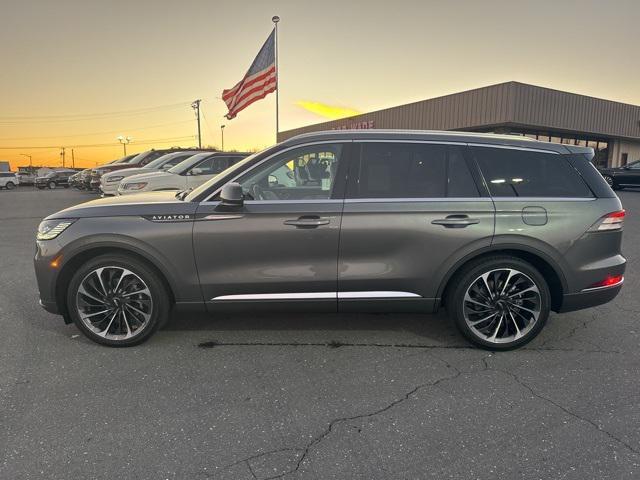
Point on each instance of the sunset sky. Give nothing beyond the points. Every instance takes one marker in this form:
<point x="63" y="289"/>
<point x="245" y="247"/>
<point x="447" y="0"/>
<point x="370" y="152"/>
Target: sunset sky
<point x="68" y="65"/>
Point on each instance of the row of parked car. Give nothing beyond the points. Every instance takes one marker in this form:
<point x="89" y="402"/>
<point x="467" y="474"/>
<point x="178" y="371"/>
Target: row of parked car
<point x="155" y="170"/>
<point x="50" y="180"/>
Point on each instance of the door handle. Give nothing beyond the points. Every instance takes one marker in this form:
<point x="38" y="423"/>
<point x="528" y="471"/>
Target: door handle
<point x="307" y="222"/>
<point x="456" y="221"/>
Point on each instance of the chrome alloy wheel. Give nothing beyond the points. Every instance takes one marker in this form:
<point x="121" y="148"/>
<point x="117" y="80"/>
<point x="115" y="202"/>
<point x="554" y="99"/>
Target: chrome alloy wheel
<point x="609" y="180"/>
<point x="502" y="305"/>
<point x="114" y="303"/>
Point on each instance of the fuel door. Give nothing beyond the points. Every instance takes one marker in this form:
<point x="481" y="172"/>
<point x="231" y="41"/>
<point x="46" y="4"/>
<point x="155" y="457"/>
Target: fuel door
<point x="534" y="216"/>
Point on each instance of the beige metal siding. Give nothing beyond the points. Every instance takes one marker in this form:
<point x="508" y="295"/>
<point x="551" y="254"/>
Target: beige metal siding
<point x="483" y="106"/>
<point x="508" y="104"/>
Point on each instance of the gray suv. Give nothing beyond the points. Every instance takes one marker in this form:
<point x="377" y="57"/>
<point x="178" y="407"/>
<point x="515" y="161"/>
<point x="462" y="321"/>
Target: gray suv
<point x="500" y="230"/>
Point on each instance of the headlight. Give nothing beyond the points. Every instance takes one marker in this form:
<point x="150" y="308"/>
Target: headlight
<point x="50" y="229"/>
<point x="115" y="179"/>
<point x="135" y="186"/>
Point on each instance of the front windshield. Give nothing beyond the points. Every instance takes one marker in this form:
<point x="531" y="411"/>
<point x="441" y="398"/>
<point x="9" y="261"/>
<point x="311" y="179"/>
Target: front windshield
<point x="185" y="165"/>
<point x="238" y="166"/>
<point x="158" y="162"/>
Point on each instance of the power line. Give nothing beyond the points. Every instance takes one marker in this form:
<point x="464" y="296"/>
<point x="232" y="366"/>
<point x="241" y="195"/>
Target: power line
<point x="98" y="133"/>
<point x="138" y="142"/>
<point x="21" y="120"/>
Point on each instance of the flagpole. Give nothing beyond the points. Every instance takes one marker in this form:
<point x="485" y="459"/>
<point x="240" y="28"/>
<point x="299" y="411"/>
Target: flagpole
<point x="275" y="19"/>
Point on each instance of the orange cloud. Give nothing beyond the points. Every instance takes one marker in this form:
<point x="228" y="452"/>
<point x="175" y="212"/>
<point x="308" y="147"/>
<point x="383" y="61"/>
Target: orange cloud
<point x="327" y="111"/>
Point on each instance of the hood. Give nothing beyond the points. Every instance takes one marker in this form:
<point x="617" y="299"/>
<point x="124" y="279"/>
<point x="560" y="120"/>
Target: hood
<point x="126" y="172"/>
<point x="143" y="177"/>
<point x="151" y="203"/>
<point x="611" y="170"/>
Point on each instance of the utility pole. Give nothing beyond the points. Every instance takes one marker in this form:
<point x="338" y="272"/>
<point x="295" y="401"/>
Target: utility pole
<point x="222" y="134"/>
<point x="30" y="162"/>
<point x="62" y="156"/>
<point x="196" y="106"/>
<point x="73" y="159"/>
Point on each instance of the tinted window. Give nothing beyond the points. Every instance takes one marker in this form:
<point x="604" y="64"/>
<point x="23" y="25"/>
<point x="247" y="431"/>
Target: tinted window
<point x="524" y="173"/>
<point x="412" y="170"/>
<point x="213" y="165"/>
<point x="152" y="156"/>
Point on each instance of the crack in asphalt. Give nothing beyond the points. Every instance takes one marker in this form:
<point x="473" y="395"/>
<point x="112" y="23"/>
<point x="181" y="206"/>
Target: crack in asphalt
<point x="580" y="325"/>
<point x="315" y="441"/>
<point x="325" y="433"/>
<point x="519" y="381"/>
<point x="251" y="470"/>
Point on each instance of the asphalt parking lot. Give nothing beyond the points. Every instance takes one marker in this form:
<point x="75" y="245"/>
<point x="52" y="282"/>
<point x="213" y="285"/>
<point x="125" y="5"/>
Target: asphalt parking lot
<point x="311" y="396"/>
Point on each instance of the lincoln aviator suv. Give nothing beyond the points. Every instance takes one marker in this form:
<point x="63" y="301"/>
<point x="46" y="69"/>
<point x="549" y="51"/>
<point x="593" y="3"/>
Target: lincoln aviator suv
<point x="498" y="230"/>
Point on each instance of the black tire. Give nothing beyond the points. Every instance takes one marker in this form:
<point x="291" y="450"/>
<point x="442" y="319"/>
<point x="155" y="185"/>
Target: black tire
<point x="52" y="185"/>
<point x="10" y="186"/>
<point x="160" y="298"/>
<point x="465" y="280"/>
<point x="611" y="182"/>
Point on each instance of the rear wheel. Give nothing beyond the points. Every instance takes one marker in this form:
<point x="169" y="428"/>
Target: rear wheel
<point x="499" y="303"/>
<point x="611" y="182"/>
<point x="10" y="185"/>
<point x="118" y="301"/>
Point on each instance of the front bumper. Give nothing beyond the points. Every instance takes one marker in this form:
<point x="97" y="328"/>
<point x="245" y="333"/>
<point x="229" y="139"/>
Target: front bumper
<point x="109" y="188"/>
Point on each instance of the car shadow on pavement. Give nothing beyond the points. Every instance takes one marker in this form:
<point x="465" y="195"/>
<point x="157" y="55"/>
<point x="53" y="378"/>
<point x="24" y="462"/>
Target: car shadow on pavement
<point x="294" y="328"/>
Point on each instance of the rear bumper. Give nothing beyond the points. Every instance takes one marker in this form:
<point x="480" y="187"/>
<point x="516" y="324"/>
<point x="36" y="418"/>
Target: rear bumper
<point x="589" y="298"/>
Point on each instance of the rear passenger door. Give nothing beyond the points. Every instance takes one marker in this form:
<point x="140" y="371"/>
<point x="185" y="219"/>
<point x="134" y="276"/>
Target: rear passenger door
<point x="411" y="211"/>
<point x="541" y="200"/>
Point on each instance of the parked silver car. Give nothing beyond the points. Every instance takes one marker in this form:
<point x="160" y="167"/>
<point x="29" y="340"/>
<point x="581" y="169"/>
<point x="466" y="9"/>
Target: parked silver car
<point x="501" y="230"/>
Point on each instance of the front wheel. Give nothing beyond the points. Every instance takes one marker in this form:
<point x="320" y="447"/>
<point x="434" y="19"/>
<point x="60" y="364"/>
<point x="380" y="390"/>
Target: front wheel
<point x="499" y="303"/>
<point x="118" y="301"/>
<point x="52" y="185"/>
<point x="10" y="185"/>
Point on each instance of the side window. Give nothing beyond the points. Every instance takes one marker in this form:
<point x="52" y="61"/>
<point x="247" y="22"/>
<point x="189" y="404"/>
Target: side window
<point x="174" y="161"/>
<point x="634" y="165"/>
<point x="525" y="173"/>
<point x="412" y="170"/>
<point x="305" y="173"/>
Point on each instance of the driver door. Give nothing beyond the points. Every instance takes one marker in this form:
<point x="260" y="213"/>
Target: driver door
<point x="280" y="248"/>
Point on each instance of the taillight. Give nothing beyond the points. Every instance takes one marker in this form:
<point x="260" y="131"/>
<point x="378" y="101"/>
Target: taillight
<point x="610" y="281"/>
<point x="611" y="221"/>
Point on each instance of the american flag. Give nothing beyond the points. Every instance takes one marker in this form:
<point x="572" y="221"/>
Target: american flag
<point x="258" y="82"/>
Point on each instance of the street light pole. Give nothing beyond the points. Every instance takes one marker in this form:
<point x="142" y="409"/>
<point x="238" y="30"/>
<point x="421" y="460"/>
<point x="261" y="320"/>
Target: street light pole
<point x="124" y="141"/>
<point x="222" y="135"/>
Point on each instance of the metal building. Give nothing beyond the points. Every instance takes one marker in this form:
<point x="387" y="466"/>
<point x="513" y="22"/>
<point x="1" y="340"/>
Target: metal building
<point x="611" y="128"/>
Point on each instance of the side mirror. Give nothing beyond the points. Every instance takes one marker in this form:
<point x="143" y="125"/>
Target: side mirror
<point x="231" y="194"/>
<point x="273" y="181"/>
<point x="195" y="171"/>
<point x="166" y="166"/>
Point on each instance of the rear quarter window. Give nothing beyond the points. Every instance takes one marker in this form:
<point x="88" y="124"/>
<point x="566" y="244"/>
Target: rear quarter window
<point x="526" y="173"/>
